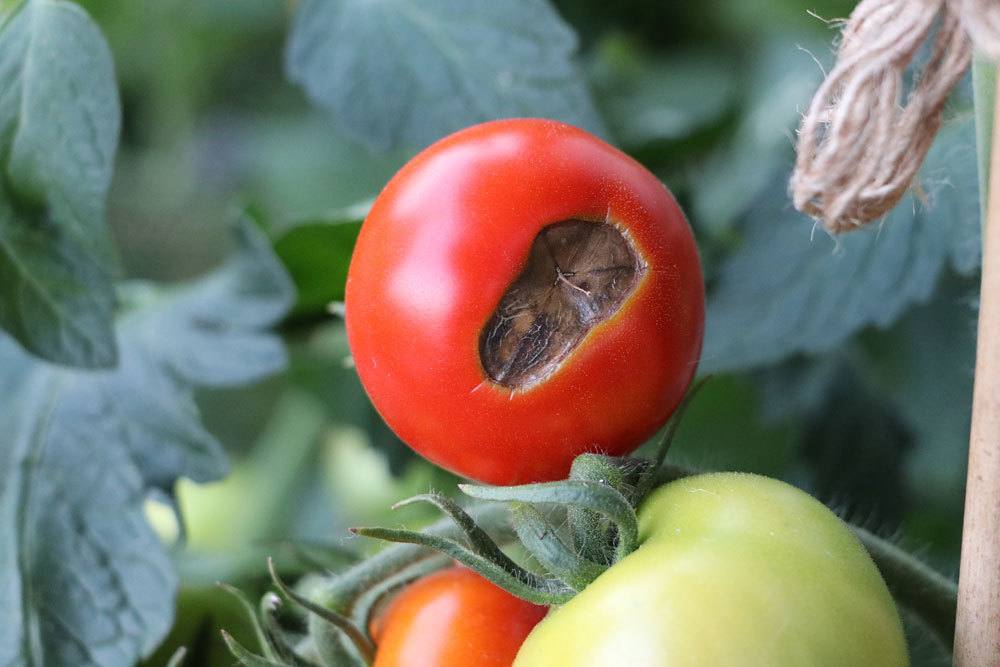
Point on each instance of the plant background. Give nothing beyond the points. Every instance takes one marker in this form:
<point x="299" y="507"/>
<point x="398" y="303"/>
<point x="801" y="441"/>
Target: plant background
<point x="842" y="366"/>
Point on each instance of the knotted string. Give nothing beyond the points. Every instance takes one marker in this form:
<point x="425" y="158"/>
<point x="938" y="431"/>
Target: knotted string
<point x="867" y="132"/>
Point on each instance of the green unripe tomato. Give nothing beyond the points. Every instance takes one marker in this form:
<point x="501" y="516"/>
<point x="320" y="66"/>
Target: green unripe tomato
<point x="734" y="570"/>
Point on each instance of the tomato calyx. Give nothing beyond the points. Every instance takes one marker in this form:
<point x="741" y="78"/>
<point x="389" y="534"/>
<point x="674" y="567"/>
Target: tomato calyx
<point x="598" y="501"/>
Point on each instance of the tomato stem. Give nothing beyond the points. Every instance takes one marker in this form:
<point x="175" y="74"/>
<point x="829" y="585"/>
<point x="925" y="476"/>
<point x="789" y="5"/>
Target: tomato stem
<point x="648" y="482"/>
<point x="915" y="585"/>
<point x="593" y="534"/>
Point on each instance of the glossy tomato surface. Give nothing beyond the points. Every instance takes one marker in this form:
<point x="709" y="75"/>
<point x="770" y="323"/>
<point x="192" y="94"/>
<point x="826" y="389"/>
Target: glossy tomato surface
<point x="733" y="570"/>
<point x="450" y="618"/>
<point x="441" y="247"/>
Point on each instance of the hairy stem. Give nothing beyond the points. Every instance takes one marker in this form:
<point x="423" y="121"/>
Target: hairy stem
<point x="915" y="585"/>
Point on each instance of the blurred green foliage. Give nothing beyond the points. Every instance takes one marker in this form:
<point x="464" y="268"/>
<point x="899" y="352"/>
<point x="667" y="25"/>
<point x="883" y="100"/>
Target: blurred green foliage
<point x="843" y="367"/>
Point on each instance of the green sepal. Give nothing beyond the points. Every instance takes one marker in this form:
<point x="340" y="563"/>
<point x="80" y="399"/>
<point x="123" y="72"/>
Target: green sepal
<point x="594" y="496"/>
<point x="246" y="657"/>
<point x="313" y="555"/>
<point x="283" y="651"/>
<point x="330" y="645"/>
<point x="262" y="637"/>
<point x="343" y="589"/>
<point x="541" y="539"/>
<point x="366" y="603"/>
<point x="478" y="539"/>
<point x="519" y="582"/>
<point x="623" y="473"/>
<point x="359" y="639"/>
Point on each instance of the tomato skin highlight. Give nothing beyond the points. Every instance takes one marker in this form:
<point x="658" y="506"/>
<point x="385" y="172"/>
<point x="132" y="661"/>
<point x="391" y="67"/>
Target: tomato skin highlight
<point x="441" y="245"/>
<point x="453" y="617"/>
<point x="734" y="570"/>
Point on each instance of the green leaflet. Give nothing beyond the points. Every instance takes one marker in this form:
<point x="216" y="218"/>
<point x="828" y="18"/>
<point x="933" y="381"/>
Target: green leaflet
<point x="317" y="254"/>
<point x="780" y="79"/>
<point x="59" y="125"/>
<point x="86" y="582"/>
<point x="790" y="289"/>
<point x="402" y="73"/>
<point x="650" y="99"/>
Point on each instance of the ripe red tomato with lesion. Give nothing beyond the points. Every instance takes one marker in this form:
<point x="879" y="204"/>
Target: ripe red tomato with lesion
<point x="453" y="617"/>
<point x="522" y="292"/>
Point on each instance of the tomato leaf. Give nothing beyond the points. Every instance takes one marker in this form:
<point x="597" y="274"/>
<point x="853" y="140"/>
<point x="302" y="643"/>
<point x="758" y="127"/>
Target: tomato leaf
<point x="930" y="354"/>
<point x="400" y="73"/>
<point x="780" y="78"/>
<point x="86" y="580"/>
<point x="656" y="99"/>
<point x="791" y="289"/>
<point x="59" y="125"/>
<point x="317" y="254"/>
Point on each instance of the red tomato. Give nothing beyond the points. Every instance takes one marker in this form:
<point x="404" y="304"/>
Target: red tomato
<point x="450" y="618"/>
<point x="522" y="292"/>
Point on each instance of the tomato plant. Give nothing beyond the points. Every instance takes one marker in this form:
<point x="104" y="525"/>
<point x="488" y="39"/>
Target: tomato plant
<point x="733" y="569"/>
<point x="453" y="617"/>
<point x="535" y="293"/>
<point x="522" y="292"/>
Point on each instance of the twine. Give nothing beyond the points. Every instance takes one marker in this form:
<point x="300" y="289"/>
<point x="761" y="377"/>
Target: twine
<point x="981" y="19"/>
<point x="860" y="145"/>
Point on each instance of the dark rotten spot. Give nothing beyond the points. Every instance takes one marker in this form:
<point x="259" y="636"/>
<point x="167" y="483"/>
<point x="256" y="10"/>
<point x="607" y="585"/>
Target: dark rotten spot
<point x="577" y="275"/>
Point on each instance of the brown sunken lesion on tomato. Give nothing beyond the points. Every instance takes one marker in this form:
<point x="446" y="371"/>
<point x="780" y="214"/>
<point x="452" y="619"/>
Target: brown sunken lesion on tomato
<point x="578" y="274"/>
